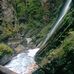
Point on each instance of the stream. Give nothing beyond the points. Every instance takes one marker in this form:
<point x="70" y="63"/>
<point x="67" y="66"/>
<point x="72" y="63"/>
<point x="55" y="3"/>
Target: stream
<point x="23" y="63"/>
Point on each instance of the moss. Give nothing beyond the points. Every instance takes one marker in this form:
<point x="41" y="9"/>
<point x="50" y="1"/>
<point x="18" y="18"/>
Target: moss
<point x="5" y="50"/>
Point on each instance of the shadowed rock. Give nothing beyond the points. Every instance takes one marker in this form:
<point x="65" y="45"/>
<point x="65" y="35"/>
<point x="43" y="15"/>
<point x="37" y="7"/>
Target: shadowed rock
<point x="4" y="70"/>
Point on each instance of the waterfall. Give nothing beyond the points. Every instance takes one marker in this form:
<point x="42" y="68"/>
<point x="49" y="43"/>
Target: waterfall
<point x="58" y="22"/>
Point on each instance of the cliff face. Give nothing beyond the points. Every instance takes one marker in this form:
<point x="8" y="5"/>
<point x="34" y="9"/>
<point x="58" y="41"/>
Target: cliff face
<point x="7" y="11"/>
<point x="7" y="19"/>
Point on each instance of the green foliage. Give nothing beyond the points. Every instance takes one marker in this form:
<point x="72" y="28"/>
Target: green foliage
<point x="34" y="10"/>
<point x="31" y="8"/>
<point x="60" y="52"/>
<point x="21" y="8"/>
<point x="5" y="50"/>
<point x="8" y="31"/>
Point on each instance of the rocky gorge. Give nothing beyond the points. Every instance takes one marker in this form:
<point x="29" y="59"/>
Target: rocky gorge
<point x="29" y="41"/>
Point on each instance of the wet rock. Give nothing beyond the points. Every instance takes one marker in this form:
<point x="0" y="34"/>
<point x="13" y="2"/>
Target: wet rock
<point x="4" y="70"/>
<point x="5" y="59"/>
<point x="39" y="71"/>
<point x="6" y="53"/>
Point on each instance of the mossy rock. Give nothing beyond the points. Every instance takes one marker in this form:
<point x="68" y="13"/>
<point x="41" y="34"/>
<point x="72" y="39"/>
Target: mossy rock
<point x="5" y="53"/>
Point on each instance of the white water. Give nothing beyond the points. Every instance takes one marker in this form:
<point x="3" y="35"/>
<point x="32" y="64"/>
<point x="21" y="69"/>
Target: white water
<point x="58" y="22"/>
<point x="23" y="63"/>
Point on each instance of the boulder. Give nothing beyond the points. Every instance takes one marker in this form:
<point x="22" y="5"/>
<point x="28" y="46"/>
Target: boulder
<point x="4" y="70"/>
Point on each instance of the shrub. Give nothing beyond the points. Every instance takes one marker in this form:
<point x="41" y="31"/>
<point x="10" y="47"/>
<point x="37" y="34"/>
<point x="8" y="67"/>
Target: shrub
<point x="5" y="50"/>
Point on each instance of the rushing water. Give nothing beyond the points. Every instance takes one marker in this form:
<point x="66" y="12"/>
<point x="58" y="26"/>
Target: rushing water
<point x="58" y="21"/>
<point x="23" y="63"/>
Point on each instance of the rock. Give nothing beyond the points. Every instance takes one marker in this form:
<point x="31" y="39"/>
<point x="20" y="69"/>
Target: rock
<point x="39" y="71"/>
<point x="5" y="59"/>
<point x="19" y="48"/>
<point x="4" y="70"/>
<point x="28" y="40"/>
<point x="6" y="53"/>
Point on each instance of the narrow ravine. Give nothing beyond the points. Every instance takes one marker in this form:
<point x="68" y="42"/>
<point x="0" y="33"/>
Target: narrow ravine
<point x="24" y="62"/>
